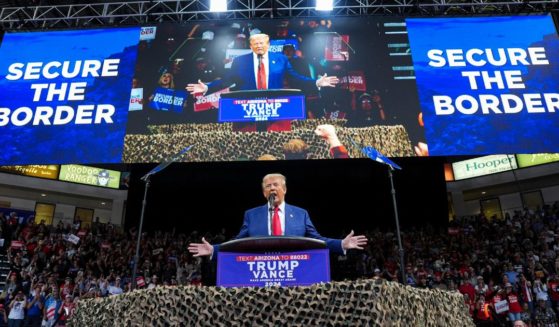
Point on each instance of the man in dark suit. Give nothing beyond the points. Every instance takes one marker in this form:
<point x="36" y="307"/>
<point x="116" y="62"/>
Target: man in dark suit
<point x="287" y="220"/>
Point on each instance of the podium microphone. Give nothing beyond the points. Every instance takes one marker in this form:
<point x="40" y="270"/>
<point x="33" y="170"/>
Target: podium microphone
<point x="271" y="200"/>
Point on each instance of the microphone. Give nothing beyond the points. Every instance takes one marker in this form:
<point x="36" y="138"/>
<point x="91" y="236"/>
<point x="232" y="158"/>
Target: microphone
<point x="271" y="200"/>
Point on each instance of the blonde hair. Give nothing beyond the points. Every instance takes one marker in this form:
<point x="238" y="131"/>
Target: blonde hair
<point x="295" y="149"/>
<point x="267" y="157"/>
<point x="258" y="36"/>
<point x="274" y="175"/>
<point x="171" y="84"/>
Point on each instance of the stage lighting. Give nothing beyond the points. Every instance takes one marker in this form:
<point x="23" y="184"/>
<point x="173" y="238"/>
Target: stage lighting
<point x="324" y="5"/>
<point x="218" y="5"/>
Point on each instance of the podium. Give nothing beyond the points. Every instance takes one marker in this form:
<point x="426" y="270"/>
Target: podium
<point x="272" y="261"/>
<point x="261" y="105"/>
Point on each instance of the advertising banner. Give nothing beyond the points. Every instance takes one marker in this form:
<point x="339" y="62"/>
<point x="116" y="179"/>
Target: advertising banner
<point x="90" y="176"/>
<point x="483" y="166"/>
<point x="42" y="171"/>
<point x="527" y="160"/>
<point x="286" y="269"/>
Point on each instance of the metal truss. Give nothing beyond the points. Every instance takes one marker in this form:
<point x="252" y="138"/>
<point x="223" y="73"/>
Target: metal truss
<point x="42" y="15"/>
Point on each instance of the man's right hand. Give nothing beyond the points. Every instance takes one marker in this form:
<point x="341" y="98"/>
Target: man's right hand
<point x="197" y="88"/>
<point x="201" y="249"/>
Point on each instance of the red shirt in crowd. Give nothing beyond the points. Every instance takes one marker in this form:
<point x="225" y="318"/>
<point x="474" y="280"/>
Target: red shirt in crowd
<point x="484" y="312"/>
<point x="514" y="305"/>
<point x="553" y="286"/>
<point x="469" y="289"/>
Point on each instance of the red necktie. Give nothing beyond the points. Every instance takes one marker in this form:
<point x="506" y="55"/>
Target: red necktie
<point x="276" y="225"/>
<point x="261" y="82"/>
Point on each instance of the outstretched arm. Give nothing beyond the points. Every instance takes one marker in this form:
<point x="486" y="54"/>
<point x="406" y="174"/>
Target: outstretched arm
<point x="201" y="249"/>
<point x="196" y="88"/>
<point x="327" y="81"/>
<point x="328" y="133"/>
<point x="354" y="242"/>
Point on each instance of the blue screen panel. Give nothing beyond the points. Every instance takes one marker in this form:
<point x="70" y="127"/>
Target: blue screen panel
<point x="487" y="85"/>
<point x="65" y="95"/>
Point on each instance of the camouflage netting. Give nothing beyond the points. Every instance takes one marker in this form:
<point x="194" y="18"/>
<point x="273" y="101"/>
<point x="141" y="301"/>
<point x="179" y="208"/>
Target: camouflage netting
<point x="359" y="303"/>
<point x="217" y="142"/>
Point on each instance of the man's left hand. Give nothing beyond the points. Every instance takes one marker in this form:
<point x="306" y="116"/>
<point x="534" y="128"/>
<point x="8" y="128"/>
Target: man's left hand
<point x="354" y="242"/>
<point x="327" y="81"/>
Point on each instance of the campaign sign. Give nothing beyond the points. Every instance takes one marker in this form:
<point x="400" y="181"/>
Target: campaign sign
<point x="502" y="306"/>
<point x="487" y="84"/>
<point x="337" y="48"/>
<point x="136" y="99"/>
<point x="261" y="270"/>
<point x="263" y="109"/>
<point x="165" y="99"/>
<point x="65" y="95"/>
<point x="207" y="102"/>
<point x="276" y="45"/>
<point x="354" y="81"/>
<point x="17" y="244"/>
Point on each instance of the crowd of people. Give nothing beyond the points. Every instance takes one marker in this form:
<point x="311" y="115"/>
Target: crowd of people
<point x="507" y="269"/>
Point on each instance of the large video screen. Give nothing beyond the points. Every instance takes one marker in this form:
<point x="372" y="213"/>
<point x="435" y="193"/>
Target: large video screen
<point x="280" y="89"/>
<point x="374" y="101"/>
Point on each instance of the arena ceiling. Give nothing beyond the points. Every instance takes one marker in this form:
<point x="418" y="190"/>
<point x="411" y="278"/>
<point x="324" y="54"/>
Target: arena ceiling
<point x="47" y="14"/>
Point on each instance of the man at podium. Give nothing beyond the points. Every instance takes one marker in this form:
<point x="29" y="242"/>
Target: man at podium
<point x="259" y="70"/>
<point x="285" y="220"/>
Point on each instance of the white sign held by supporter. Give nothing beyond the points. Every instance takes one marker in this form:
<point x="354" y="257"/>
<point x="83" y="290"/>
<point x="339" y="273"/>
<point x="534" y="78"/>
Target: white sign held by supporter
<point x="16" y="244"/>
<point x="71" y="238"/>
<point x="502" y="306"/>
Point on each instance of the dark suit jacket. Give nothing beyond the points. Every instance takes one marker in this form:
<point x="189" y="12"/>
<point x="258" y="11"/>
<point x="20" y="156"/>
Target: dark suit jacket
<point x="297" y="223"/>
<point x="242" y="73"/>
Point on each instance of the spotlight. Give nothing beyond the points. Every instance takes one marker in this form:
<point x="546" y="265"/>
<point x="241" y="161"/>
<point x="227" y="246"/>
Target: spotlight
<point x="324" y="5"/>
<point x="218" y="5"/>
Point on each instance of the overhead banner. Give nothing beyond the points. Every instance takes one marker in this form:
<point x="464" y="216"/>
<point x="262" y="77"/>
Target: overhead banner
<point x="487" y="84"/>
<point x="406" y="87"/>
<point x="65" y="95"/>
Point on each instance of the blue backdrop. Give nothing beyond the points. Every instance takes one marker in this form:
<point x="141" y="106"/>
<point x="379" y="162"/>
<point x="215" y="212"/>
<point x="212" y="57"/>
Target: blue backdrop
<point x="477" y="133"/>
<point x="69" y="143"/>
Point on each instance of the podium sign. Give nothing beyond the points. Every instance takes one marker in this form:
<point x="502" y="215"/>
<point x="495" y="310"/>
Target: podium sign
<point x="262" y="109"/>
<point x="284" y="269"/>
